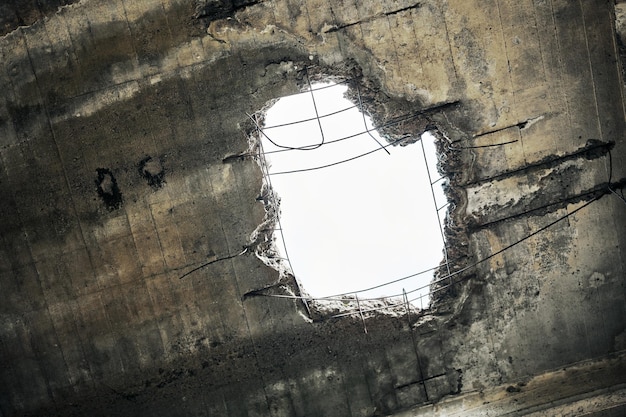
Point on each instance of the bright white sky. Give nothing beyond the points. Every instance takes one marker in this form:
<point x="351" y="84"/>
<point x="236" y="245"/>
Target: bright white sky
<point x="360" y="223"/>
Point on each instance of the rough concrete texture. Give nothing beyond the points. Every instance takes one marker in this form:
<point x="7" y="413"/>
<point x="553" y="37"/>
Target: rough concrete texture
<point x="121" y="123"/>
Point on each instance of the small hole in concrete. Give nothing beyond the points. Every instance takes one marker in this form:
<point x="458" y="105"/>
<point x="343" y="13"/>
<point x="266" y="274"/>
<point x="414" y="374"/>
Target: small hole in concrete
<point x="151" y="169"/>
<point x="108" y="190"/>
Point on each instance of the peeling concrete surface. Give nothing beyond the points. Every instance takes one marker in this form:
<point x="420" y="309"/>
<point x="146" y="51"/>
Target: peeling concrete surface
<point x="124" y="146"/>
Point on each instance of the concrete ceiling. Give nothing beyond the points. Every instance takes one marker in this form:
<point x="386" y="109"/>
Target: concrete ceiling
<point x="135" y="214"/>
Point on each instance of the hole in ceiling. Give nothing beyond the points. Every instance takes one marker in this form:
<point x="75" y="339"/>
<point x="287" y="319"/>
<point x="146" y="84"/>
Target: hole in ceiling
<point x="352" y="215"/>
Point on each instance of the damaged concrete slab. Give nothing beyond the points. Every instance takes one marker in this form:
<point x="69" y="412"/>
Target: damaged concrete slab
<point x="134" y="213"/>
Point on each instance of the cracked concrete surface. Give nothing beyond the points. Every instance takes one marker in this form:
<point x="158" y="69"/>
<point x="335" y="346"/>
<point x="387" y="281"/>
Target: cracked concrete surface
<point x="123" y="143"/>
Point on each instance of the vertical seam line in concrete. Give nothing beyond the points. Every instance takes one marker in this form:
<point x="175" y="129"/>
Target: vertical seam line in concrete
<point x="43" y="371"/>
<point x="19" y="216"/>
<point x="414" y="344"/>
<point x="169" y="29"/>
<point x="335" y="24"/>
<point x="308" y="18"/>
<point x="560" y="72"/>
<point x="74" y="50"/>
<point x="182" y="259"/>
<point x="364" y="369"/>
<point x="395" y="48"/>
<point x="416" y="45"/>
<point x="506" y="54"/>
<point x="619" y="66"/>
<point x="345" y="391"/>
<point x="521" y="144"/>
<point x="56" y="334"/>
<point x="221" y="225"/>
<point x="132" y="38"/>
<point x="166" y="351"/>
<point x="360" y="25"/>
<point x="541" y="52"/>
<point x="593" y="82"/>
<point x="142" y="279"/>
<point x="493" y="327"/>
<point x="445" y="25"/>
<point x="490" y="319"/>
<point x="251" y="337"/>
<point x="543" y="63"/>
<point x="73" y="304"/>
<point x="8" y="398"/>
<point x="529" y="230"/>
<point x="584" y="320"/>
<point x="188" y="106"/>
<point x="156" y="231"/>
<point x="136" y="254"/>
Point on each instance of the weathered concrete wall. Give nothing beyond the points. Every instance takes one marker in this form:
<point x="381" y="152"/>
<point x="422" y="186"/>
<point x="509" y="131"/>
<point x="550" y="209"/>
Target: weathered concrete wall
<point x="114" y="126"/>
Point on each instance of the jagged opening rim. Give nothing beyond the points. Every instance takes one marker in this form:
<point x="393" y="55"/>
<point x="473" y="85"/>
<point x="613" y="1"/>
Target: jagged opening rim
<point x="269" y="254"/>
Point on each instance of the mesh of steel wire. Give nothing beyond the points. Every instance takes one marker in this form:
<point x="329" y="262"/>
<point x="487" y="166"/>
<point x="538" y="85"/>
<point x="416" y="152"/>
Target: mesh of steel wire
<point x="415" y="296"/>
